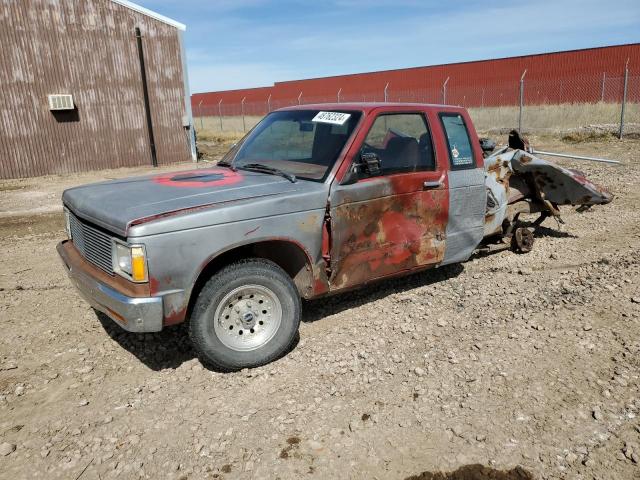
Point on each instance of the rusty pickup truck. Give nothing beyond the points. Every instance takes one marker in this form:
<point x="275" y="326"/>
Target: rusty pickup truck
<point x="315" y="200"/>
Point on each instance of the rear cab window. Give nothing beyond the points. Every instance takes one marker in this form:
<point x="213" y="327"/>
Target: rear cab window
<point x="458" y="141"/>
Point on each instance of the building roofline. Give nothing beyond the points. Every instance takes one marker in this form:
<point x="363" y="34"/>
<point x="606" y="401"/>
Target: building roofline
<point x="235" y="90"/>
<point x="150" y="13"/>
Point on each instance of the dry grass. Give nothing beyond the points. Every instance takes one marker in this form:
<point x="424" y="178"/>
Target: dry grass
<point x="231" y="126"/>
<point x="553" y="117"/>
<point x="588" y="135"/>
<point x="225" y="138"/>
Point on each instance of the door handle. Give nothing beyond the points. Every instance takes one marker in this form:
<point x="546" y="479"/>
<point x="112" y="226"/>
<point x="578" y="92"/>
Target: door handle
<point x="433" y="184"/>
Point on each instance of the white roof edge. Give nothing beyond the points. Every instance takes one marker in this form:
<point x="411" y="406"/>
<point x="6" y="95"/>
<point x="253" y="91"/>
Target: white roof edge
<point x="150" y="13"/>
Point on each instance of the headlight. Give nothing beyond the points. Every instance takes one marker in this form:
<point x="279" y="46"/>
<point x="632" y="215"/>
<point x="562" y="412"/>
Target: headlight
<point x="130" y="261"/>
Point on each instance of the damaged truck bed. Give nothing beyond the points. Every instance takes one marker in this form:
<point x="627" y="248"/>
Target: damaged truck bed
<point x="518" y="182"/>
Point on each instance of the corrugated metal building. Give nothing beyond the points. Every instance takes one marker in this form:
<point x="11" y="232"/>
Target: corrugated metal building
<point x="559" y="77"/>
<point x="124" y="68"/>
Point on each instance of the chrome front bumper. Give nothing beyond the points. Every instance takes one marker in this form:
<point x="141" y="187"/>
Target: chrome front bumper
<point x="134" y="314"/>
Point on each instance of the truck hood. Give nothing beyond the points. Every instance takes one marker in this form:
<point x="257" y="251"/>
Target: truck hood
<point x="118" y="204"/>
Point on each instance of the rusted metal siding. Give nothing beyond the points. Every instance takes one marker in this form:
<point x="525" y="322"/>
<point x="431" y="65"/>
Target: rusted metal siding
<point x="87" y="49"/>
<point x="560" y="77"/>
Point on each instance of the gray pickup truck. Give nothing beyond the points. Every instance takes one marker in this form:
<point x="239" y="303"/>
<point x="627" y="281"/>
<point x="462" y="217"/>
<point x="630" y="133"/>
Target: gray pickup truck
<point x="315" y="200"/>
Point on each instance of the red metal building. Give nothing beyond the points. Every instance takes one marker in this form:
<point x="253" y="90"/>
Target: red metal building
<point x="588" y="75"/>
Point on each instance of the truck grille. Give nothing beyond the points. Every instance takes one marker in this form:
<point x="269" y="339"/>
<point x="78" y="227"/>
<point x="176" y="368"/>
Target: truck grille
<point x="93" y="244"/>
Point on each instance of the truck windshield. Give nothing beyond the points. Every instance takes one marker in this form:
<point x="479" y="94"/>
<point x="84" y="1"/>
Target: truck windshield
<point x="304" y="143"/>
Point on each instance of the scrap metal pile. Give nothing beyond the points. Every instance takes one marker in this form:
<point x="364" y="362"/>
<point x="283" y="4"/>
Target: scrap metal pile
<point x="518" y="182"/>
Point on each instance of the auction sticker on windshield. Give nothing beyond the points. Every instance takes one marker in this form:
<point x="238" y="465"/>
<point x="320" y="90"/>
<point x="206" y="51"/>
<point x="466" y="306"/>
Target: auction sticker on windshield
<point x="335" y="118"/>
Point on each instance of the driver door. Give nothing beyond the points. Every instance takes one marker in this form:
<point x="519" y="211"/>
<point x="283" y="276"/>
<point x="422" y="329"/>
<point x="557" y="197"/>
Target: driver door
<point x="394" y="220"/>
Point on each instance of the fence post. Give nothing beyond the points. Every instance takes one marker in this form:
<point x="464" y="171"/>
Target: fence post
<point x="244" y="126"/>
<point x="220" y="113"/>
<point x="624" y="98"/>
<point x="200" y="114"/>
<point x="604" y="78"/>
<point x="269" y="104"/>
<point x="385" y="91"/>
<point x="482" y="103"/>
<point x="339" y="91"/>
<point x="521" y="100"/>
<point x="444" y="91"/>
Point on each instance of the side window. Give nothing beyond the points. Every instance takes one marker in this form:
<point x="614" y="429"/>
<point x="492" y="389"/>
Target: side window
<point x="460" y="150"/>
<point x="402" y="142"/>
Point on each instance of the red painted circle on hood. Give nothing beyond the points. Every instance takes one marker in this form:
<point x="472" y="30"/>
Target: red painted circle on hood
<point x="204" y="177"/>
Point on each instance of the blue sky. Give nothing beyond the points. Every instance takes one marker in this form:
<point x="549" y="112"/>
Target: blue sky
<point x="250" y="43"/>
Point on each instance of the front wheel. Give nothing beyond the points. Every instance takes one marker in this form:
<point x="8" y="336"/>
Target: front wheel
<point x="245" y="316"/>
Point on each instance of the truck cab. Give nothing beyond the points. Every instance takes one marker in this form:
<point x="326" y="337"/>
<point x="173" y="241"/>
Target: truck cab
<point x="408" y="195"/>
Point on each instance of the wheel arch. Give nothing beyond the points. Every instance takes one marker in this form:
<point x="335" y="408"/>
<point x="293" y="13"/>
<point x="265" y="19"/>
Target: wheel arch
<point x="288" y="254"/>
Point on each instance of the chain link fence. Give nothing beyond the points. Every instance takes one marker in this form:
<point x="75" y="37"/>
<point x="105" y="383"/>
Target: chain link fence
<point x="600" y="101"/>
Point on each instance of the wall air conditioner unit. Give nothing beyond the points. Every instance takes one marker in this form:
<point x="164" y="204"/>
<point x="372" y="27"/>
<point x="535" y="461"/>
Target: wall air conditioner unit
<point x="61" y="102"/>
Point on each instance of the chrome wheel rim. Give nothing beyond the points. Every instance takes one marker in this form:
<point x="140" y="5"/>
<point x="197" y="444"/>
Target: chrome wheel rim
<point x="248" y="317"/>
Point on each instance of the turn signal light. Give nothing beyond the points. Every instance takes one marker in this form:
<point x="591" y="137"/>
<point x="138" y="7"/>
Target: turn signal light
<point x="138" y="265"/>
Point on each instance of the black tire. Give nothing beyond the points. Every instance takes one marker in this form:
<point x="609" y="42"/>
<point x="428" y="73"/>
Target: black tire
<point x="255" y="271"/>
<point x="522" y="240"/>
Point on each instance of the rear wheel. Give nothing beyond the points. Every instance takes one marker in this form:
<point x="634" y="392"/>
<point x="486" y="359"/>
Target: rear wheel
<point x="522" y="240"/>
<point x="245" y="316"/>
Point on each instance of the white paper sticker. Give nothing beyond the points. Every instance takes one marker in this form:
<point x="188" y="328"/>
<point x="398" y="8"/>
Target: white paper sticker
<point x="334" y="118"/>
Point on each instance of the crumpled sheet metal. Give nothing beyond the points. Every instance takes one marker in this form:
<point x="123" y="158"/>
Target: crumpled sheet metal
<point x="560" y="185"/>
<point x="553" y="183"/>
<point x="498" y="171"/>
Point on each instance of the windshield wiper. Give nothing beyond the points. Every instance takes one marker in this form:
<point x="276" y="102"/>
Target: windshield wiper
<point x="226" y="164"/>
<point x="259" y="167"/>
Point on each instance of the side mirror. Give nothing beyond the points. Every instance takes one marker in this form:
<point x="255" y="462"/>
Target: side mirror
<point x="487" y="145"/>
<point x="368" y="165"/>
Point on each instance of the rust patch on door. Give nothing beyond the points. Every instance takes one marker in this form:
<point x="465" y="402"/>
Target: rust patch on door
<point x="386" y="235"/>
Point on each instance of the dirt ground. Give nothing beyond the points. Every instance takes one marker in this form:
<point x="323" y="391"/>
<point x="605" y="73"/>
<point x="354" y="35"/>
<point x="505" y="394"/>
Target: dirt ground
<point x="526" y="364"/>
